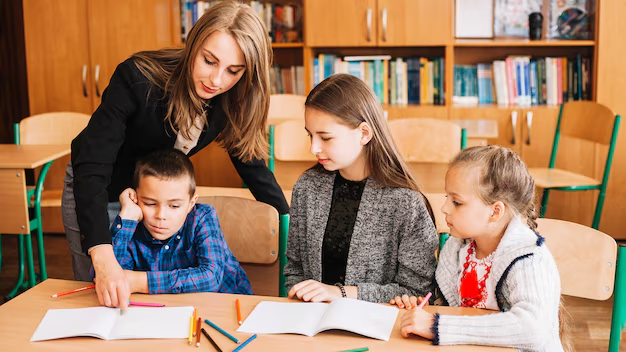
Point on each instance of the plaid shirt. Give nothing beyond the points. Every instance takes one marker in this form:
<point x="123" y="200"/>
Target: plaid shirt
<point x="195" y="259"/>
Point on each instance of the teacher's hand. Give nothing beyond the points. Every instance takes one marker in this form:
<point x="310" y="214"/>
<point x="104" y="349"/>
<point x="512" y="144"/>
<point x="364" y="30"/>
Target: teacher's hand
<point x="314" y="291"/>
<point x="111" y="283"/>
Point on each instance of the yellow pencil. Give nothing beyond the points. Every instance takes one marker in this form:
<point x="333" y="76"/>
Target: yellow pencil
<point x="195" y="317"/>
<point x="190" y="330"/>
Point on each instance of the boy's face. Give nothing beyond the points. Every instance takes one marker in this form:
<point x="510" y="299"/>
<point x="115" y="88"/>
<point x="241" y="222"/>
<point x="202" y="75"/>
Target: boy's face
<point x="165" y="204"/>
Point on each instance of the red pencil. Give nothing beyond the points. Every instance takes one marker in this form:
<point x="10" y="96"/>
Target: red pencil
<point x="73" y="291"/>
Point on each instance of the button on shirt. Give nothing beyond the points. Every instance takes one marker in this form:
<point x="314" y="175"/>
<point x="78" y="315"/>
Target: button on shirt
<point x="195" y="259"/>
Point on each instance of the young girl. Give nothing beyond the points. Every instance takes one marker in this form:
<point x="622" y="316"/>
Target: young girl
<point x="494" y="259"/>
<point x="360" y="227"/>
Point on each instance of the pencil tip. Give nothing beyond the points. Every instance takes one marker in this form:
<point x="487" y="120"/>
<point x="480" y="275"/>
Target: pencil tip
<point x="240" y="322"/>
<point x="54" y="295"/>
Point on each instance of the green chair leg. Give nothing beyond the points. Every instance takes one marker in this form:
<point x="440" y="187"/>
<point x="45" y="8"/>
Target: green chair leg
<point x="30" y="261"/>
<point x="544" y="203"/>
<point x="20" y="267"/>
<point x="282" y="253"/>
<point x="619" y="301"/>
<point x="271" y="158"/>
<point x="598" y="213"/>
<point x="443" y="237"/>
<point x="463" y="138"/>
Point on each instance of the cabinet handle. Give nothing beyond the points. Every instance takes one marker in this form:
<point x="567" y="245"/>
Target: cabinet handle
<point x="369" y="25"/>
<point x="514" y="124"/>
<point x="384" y="25"/>
<point x="529" y="124"/>
<point x="85" y="81"/>
<point x="97" y="77"/>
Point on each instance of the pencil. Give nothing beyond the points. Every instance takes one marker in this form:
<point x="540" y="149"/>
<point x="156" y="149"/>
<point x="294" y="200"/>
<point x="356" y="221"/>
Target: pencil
<point x="425" y="300"/>
<point x="195" y="318"/>
<point x="146" y="304"/>
<point x="235" y="340"/>
<point x="198" y="327"/>
<point x="206" y="334"/>
<point x="363" y="349"/>
<point x="190" y="330"/>
<point x="238" y="311"/>
<point x="73" y="291"/>
<point x="245" y="343"/>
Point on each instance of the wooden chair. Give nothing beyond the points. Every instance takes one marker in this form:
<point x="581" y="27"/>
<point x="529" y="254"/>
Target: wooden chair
<point x="584" y="120"/>
<point x="587" y="259"/>
<point x="292" y="151"/>
<point x="257" y="236"/>
<point x="48" y="128"/>
<point x="436" y="201"/>
<point x="204" y="191"/>
<point x="283" y="107"/>
<point x="428" y="145"/>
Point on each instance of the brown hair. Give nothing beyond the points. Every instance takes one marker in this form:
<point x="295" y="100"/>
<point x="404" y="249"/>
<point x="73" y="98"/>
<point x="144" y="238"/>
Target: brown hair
<point x="166" y="164"/>
<point x="246" y="104"/>
<point x="349" y="99"/>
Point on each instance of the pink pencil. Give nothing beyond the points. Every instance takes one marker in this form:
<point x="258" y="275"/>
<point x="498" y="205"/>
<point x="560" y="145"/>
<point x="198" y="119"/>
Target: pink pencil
<point x="425" y="300"/>
<point x="146" y="304"/>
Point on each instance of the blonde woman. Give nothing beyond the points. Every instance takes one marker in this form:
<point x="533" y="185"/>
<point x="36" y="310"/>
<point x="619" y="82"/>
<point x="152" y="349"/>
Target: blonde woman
<point x="216" y="88"/>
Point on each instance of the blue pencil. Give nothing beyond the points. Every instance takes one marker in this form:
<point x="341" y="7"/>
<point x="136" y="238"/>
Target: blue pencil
<point x="222" y="331"/>
<point x="244" y="343"/>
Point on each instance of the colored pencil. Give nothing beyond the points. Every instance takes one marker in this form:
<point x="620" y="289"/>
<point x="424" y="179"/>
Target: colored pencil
<point x="73" y="291"/>
<point x="245" y="343"/>
<point x="195" y="318"/>
<point x="190" y="330"/>
<point x="198" y="327"/>
<point x="425" y="300"/>
<point x="146" y="304"/>
<point x="235" y="340"/>
<point x="206" y="334"/>
<point x="363" y="349"/>
<point x="238" y="311"/>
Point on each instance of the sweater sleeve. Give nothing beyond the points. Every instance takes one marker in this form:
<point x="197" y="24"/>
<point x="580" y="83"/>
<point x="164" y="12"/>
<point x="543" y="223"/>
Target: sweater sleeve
<point x="261" y="182"/>
<point x="416" y="257"/>
<point x="294" y="272"/>
<point x="94" y="152"/>
<point x="534" y="294"/>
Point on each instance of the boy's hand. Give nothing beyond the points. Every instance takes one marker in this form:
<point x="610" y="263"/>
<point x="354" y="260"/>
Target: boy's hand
<point x="314" y="291"/>
<point x="130" y="209"/>
<point x="417" y="322"/>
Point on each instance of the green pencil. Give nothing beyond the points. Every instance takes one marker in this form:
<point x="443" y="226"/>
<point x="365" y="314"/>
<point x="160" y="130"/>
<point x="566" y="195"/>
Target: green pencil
<point x="357" y="350"/>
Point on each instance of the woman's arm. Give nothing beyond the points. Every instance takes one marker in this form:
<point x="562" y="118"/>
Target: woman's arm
<point x="261" y="182"/>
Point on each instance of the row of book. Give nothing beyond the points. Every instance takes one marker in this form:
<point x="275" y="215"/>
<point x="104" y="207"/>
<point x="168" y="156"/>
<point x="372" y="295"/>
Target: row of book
<point x="523" y="81"/>
<point x="411" y="80"/>
<point x="283" y="22"/>
<point x="287" y="80"/>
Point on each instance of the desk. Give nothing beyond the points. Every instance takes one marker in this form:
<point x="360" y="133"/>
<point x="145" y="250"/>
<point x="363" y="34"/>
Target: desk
<point x="20" y="317"/>
<point x="14" y="219"/>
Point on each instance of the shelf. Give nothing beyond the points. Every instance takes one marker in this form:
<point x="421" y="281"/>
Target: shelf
<point x="496" y="106"/>
<point x="287" y="45"/>
<point x="522" y="42"/>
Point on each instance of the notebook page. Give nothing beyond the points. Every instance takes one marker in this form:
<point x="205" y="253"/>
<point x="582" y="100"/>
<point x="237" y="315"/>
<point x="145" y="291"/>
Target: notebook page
<point x="284" y="318"/>
<point x="152" y="323"/>
<point x="364" y="318"/>
<point x="61" y="323"/>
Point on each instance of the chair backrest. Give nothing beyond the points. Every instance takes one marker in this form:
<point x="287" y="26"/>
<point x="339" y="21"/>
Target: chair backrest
<point x="252" y="231"/>
<point x="436" y="201"/>
<point x="426" y="140"/>
<point x="286" y="106"/>
<point x="52" y="128"/>
<point x="292" y="152"/>
<point x="575" y="117"/>
<point x="585" y="257"/>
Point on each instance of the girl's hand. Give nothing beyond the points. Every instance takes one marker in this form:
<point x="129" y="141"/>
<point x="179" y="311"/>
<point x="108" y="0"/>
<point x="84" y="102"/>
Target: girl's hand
<point x="130" y="210"/>
<point x="405" y="301"/>
<point x="417" y="322"/>
<point x="314" y="291"/>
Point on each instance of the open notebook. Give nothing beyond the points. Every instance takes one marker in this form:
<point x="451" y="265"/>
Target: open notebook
<point x="108" y="324"/>
<point x="364" y="318"/>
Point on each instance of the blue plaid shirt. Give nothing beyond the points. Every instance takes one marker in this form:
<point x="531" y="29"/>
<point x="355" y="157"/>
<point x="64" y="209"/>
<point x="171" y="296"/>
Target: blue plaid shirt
<point x="195" y="259"/>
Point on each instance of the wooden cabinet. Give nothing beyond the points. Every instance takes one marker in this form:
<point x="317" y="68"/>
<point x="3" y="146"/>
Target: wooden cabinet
<point x="363" y="23"/>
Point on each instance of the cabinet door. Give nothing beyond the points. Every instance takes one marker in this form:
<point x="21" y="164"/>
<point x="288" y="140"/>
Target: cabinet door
<point x="119" y="28"/>
<point x="414" y="22"/>
<point x="57" y="56"/>
<point x="538" y="127"/>
<point x="509" y="121"/>
<point x="340" y="23"/>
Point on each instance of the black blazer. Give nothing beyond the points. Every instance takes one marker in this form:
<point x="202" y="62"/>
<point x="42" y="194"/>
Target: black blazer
<point x="128" y="124"/>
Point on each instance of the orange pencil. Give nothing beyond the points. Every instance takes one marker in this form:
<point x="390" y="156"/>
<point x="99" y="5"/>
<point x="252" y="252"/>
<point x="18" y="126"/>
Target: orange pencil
<point x="195" y="318"/>
<point x="73" y="291"/>
<point x="238" y="311"/>
<point x="198" y="327"/>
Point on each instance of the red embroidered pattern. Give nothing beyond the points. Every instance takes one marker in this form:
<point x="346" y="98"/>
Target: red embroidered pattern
<point x="472" y="290"/>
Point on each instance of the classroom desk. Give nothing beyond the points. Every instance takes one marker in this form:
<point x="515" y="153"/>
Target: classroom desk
<point x="20" y="317"/>
<point x="14" y="218"/>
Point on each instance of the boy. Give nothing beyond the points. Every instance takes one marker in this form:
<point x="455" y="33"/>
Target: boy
<point x="164" y="241"/>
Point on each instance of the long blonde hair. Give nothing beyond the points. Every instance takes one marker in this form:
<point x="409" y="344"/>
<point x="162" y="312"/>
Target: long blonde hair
<point x="353" y="102"/>
<point x="246" y="104"/>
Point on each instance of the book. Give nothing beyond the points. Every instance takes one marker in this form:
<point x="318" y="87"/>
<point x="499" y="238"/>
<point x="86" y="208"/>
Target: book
<point x="364" y="318"/>
<point x="107" y="323"/>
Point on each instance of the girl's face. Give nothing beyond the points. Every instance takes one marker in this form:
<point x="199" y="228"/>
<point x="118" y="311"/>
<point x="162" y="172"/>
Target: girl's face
<point x="466" y="214"/>
<point x="218" y="66"/>
<point x="336" y="146"/>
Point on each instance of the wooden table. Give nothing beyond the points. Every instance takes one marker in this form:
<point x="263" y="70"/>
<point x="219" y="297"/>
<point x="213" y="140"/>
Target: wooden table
<point x="20" y="317"/>
<point x="14" y="219"/>
<point x="478" y="131"/>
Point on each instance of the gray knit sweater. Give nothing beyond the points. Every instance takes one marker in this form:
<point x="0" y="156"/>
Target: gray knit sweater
<point x="392" y="246"/>
<point x="528" y="293"/>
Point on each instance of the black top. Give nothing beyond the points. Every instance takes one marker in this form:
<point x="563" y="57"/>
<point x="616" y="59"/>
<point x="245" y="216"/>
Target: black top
<point x="128" y="124"/>
<point x="336" y="245"/>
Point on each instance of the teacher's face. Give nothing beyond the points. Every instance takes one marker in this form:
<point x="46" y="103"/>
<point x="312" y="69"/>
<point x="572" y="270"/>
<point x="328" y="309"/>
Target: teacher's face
<point x="218" y="66"/>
